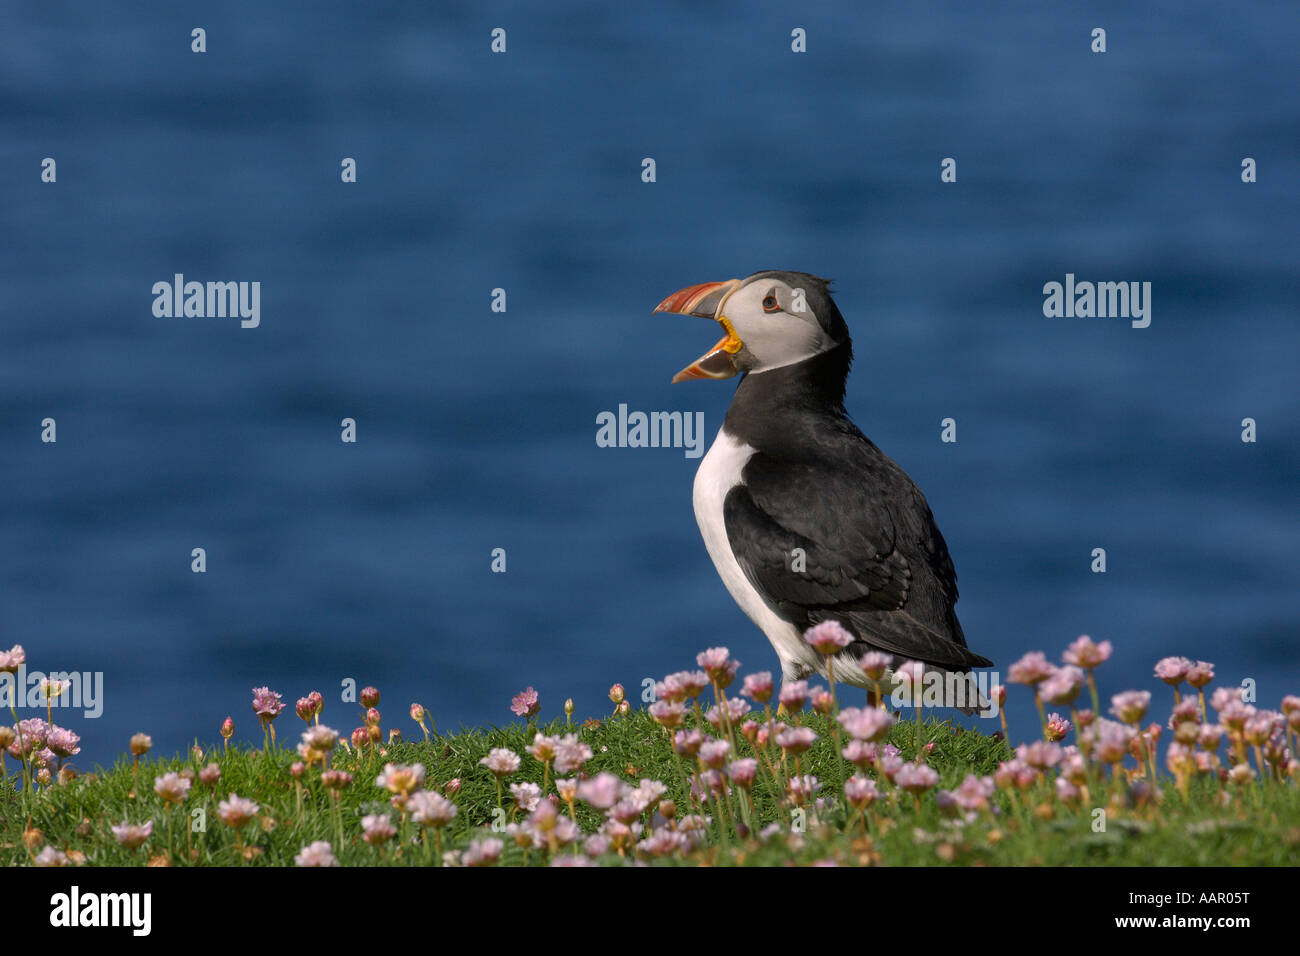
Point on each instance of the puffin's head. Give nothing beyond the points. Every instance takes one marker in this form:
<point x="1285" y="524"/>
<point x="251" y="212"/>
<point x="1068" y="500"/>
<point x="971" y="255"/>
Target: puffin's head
<point x="771" y="319"/>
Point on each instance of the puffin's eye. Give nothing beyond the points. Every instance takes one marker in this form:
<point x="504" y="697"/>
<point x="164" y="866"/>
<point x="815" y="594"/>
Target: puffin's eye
<point x="769" y="302"/>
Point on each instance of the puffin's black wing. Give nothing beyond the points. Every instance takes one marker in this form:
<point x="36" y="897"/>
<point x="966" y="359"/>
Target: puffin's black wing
<point x="871" y="555"/>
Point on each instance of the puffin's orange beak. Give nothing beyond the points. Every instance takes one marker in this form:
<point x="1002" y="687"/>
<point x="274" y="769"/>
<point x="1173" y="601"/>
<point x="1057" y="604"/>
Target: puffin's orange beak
<point x="706" y="300"/>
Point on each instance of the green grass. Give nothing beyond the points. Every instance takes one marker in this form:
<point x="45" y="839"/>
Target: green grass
<point x="1260" y="826"/>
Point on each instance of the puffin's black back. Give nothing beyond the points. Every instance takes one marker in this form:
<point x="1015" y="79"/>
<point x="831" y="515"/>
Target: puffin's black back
<point x="875" y="559"/>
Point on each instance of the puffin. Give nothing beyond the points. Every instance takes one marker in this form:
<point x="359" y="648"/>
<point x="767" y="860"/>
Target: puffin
<point x="805" y="519"/>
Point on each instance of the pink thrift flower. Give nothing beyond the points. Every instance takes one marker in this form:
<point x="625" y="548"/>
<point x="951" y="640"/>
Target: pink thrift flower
<point x="482" y="852"/>
<point x="543" y="748"/>
<point x="1131" y="705"/>
<point x="237" y="811"/>
<point x="526" y="796"/>
<point x="571" y="754"/>
<point x="758" y="687"/>
<point x="63" y="742"/>
<point x="870" y="723"/>
<point x="1200" y="674"/>
<point x="1040" y="755"/>
<point x="12" y="659"/>
<point x="598" y="844"/>
<point x="742" y="772"/>
<point x="1186" y="710"/>
<point x="910" y="676"/>
<point x="1063" y="686"/>
<point x="171" y="788"/>
<point x="430" y="809"/>
<point x="1173" y="670"/>
<point x="803" y="788"/>
<point x="34" y="733"/>
<point x="860" y="792"/>
<point x="718" y="664"/>
<point x="794" y="694"/>
<point x="53" y="689"/>
<point x="828" y="637"/>
<point x="1242" y="774"/>
<point x="1180" y="760"/>
<point x="601" y="791"/>
<point x="682" y="686"/>
<point x="133" y="835"/>
<point x="50" y="857"/>
<point x="377" y="829"/>
<point x="1223" y="696"/>
<point x="890" y="765"/>
<point x="1057" y="727"/>
<point x="1014" y="773"/>
<point x="875" y="664"/>
<point x="567" y="788"/>
<point x="337" y="780"/>
<point x="526" y="703"/>
<point x="1067" y="792"/>
<point x="974" y="793"/>
<point x="1072" y="766"/>
<point x="403" y="780"/>
<point x="501" y="761"/>
<point x="668" y="713"/>
<point x="860" y="753"/>
<point x="370" y="697"/>
<point x="796" y="740"/>
<point x="1032" y="668"/>
<point x="1083" y="652"/>
<point x="266" y="703"/>
<point x="735" y="710"/>
<point x="320" y="739"/>
<point x="688" y="742"/>
<point x="316" y="854"/>
<point x="713" y="753"/>
<point x="1110" y="740"/>
<point x="916" y="778"/>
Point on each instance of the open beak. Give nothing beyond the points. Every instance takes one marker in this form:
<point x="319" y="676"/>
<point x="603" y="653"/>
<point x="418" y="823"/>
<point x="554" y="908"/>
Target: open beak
<point x="706" y="300"/>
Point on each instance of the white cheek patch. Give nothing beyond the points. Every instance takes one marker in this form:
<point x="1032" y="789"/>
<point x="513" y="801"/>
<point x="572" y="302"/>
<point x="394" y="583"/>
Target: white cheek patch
<point x="783" y="339"/>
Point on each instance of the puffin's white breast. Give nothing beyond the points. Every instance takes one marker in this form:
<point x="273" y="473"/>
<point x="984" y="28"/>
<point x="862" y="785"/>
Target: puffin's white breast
<point x="719" y="472"/>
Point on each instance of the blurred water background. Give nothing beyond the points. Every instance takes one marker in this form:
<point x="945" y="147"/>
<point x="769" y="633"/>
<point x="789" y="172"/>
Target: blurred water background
<point x="371" y="561"/>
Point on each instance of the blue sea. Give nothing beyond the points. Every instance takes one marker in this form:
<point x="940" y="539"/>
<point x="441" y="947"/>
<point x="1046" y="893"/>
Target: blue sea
<point x="329" y="562"/>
